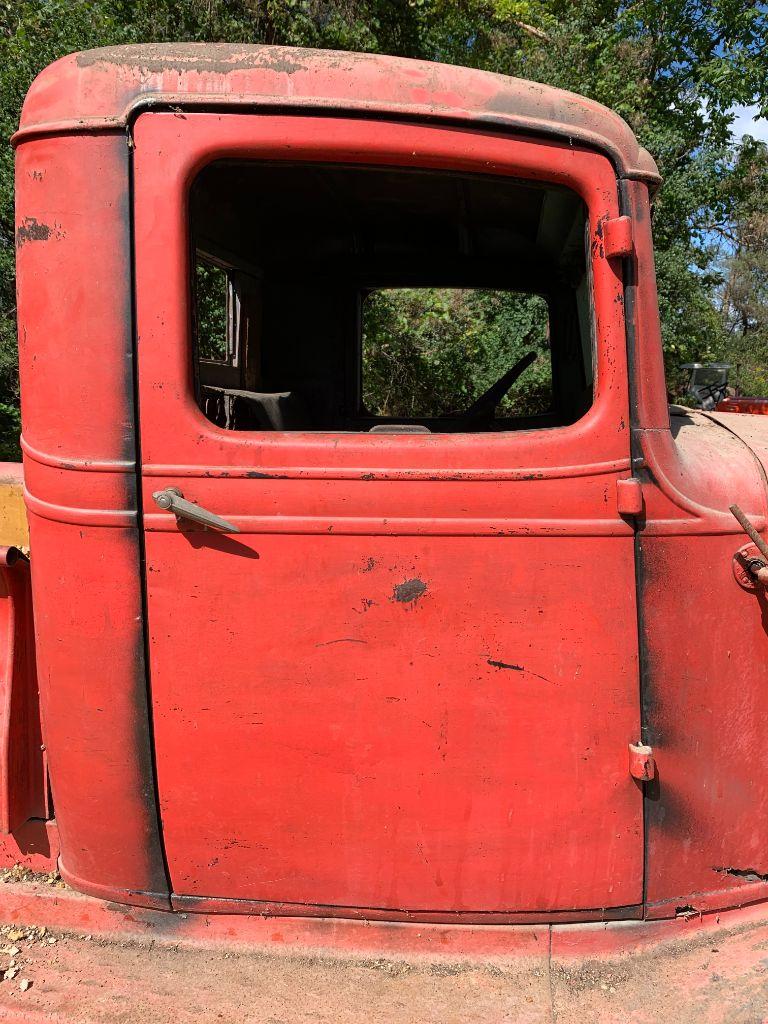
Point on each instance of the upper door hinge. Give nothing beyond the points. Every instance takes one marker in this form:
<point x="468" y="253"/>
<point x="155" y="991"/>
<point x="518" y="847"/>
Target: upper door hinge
<point x="617" y="237"/>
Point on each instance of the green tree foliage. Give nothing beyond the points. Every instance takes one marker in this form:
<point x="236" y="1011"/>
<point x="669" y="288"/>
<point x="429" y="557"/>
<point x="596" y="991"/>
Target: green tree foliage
<point x="743" y="292"/>
<point x="211" y="287"/>
<point x="433" y="351"/>
<point x="672" y="68"/>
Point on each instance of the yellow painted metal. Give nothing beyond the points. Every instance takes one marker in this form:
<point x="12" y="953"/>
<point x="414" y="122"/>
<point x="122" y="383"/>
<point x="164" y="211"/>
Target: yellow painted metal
<point x="14" y="529"/>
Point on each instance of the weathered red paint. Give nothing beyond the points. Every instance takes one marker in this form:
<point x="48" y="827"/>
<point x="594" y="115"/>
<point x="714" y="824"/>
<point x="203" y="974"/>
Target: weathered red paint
<point x="415" y="735"/>
<point x="460" y="754"/>
<point x="39" y="904"/>
<point x="75" y="324"/>
<point x="105" y="89"/>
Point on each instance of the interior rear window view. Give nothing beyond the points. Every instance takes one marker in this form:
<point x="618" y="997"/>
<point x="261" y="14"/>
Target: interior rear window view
<point x="330" y="298"/>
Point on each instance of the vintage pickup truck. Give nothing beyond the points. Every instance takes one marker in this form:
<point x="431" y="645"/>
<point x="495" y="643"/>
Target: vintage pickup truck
<point x="484" y="686"/>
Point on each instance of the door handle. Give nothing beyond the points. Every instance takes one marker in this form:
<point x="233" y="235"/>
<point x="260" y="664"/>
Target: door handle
<point x="172" y="500"/>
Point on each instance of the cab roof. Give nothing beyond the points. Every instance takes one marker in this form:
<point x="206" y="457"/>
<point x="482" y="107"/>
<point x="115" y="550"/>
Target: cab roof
<point x="103" y="89"/>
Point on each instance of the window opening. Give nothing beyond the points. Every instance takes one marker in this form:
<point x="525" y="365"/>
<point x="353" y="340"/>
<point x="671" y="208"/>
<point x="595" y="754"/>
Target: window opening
<point x="335" y="298"/>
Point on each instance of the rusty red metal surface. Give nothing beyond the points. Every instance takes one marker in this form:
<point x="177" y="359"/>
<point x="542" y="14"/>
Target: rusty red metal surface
<point x="642" y="764"/>
<point x="228" y="733"/>
<point x="617" y="237"/>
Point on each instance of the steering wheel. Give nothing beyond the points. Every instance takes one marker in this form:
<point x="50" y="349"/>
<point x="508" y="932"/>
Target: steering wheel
<point x="482" y="410"/>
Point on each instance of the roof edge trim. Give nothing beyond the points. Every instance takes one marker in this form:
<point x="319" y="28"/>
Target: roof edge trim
<point x="645" y="171"/>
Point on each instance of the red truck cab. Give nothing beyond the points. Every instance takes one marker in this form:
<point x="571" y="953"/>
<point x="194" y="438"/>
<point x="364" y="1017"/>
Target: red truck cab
<point x="300" y="656"/>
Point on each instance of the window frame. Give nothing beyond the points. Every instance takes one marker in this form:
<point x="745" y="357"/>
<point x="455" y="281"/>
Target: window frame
<point x="243" y="300"/>
<point x="353" y="410"/>
<point x="165" y="174"/>
<point x="232" y="312"/>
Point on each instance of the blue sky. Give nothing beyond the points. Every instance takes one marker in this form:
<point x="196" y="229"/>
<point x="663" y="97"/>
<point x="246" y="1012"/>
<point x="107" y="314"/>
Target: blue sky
<point x="745" y="125"/>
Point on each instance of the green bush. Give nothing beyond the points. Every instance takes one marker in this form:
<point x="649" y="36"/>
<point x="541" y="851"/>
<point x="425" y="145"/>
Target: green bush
<point x="433" y="351"/>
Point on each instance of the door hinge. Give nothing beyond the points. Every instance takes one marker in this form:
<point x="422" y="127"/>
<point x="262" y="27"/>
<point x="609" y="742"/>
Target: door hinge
<point x="642" y="763"/>
<point x="629" y="497"/>
<point x="617" y="237"/>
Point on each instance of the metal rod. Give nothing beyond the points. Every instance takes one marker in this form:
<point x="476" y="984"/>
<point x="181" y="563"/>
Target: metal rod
<point x="750" y="531"/>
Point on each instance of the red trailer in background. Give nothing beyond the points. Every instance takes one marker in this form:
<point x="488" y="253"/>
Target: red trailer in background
<point x="476" y="693"/>
<point x="753" y="406"/>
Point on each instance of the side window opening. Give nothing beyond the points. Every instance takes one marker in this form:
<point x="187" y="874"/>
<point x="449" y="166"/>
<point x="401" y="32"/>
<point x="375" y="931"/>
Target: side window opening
<point x="329" y="298"/>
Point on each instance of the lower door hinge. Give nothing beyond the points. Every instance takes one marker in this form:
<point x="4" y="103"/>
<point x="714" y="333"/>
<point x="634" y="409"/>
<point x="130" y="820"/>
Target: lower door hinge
<point x="642" y="763"/>
<point x="629" y="497"/>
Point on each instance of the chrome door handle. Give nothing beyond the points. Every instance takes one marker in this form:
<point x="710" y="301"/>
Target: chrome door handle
<point x="172" y="500"/>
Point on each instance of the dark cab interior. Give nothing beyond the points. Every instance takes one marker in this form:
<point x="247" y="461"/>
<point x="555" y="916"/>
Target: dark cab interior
<point x="289" y="262"/>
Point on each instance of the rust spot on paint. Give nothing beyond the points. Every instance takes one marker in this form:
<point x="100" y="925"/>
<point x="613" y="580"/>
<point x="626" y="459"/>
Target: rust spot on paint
<point x="409" y="592"/>
<point x="32" y="230"/>
<point x="686" y="911"/>
<point x="748" y="874"/>
<point x="597" y="241"/>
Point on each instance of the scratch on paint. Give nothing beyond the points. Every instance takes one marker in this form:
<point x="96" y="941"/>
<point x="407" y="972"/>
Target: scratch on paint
<point x="342" y="640"/>
<point x="515" y="668"/>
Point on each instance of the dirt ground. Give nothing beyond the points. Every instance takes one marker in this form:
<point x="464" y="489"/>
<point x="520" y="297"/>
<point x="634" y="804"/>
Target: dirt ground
<point x="718" y="976"/>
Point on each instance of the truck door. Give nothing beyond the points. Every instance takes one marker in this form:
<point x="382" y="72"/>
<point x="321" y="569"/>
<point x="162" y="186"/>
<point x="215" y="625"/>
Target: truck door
<point x="408" y="683"/>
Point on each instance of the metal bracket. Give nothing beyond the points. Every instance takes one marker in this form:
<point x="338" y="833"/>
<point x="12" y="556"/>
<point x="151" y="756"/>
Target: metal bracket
<point x="750" y="563"/>
<point x="747" y="562"/>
